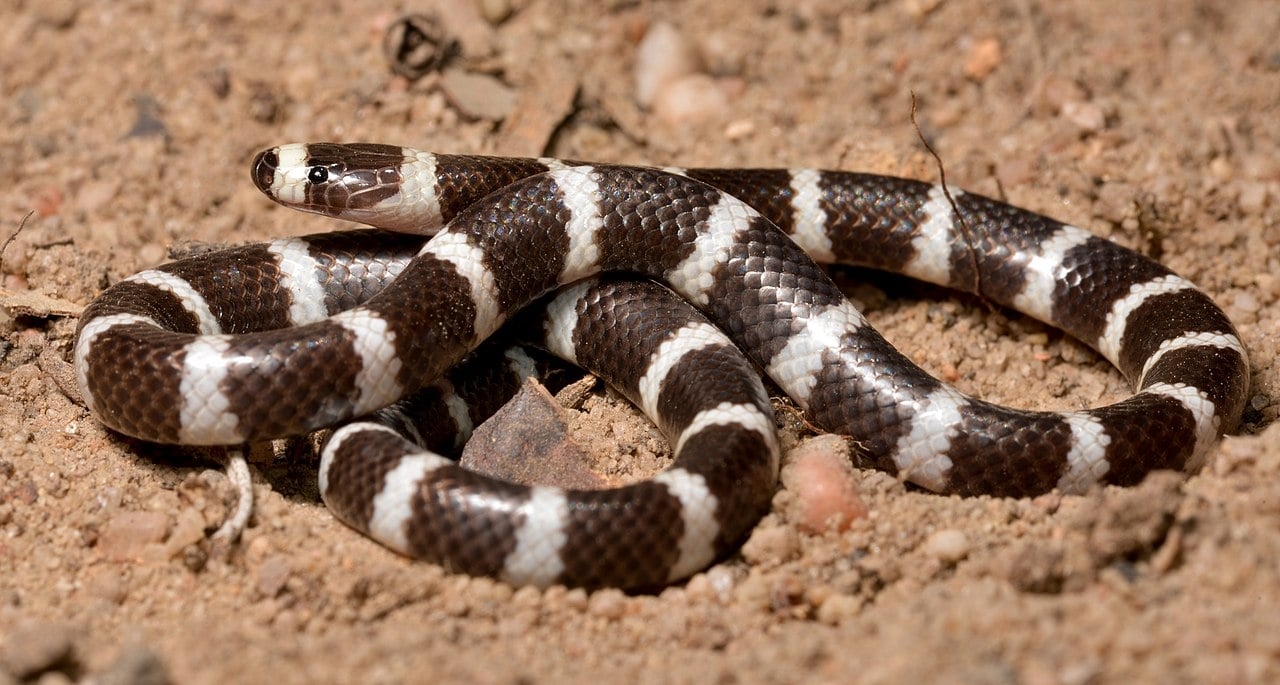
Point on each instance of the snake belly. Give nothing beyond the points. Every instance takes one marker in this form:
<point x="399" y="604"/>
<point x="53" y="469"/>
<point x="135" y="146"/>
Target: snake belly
<point x="740" y="246"/>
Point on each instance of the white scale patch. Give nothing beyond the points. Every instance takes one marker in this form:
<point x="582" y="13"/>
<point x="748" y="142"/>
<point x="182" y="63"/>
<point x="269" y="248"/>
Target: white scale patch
<point x="553" y="164"/>
<point x="520" y="363"/>
<point x="298" y="276"/>
<point x="810" y="228"/>
<point x="1118" y="317"/>
<point x="562" y="319"/>
<point x="580" y="192"/>
<point x="698" y="506"/>
<point x="379" y="366"/>
<point x="334" y="444"/>
<point x="469" y="261"/>
<point x="728" y="414"/>
<point x="1202" y="412"/>
<point x="393" y="505"/>
<point x="290" y="183"/>
<point x="536" y="558"/>
<point x="693" y="336"/>
<point x="921" y="454"/>
<point x="692" y="278"/>
<point x="84" y="343"/>
<point x="797" y="364"/>
<point x="416" y="208"/>
<point x="207" y="414"/>
<point x="1188" y="340"/>
<point x="1087" y="460"/>
<point x="933" y="239"/>
<point x="1044" y="271"/>
<point x="191" y="299"/>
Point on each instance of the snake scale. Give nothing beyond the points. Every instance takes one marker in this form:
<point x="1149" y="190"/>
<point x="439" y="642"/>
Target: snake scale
<point x="287" y="337"/>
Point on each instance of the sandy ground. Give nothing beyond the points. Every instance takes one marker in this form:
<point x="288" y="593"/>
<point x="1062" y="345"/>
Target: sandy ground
<point x="128" y="127"/>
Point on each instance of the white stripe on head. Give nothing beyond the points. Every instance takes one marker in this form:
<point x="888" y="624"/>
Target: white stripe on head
<point x="290" y="183"/>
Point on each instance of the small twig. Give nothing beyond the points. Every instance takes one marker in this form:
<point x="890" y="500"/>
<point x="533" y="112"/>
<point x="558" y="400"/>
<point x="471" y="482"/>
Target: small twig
<point x="955" y="208"/>
<point x="9" y="241"/>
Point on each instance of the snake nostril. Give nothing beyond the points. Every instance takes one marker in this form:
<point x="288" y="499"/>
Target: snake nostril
<point x="264" y="169"/>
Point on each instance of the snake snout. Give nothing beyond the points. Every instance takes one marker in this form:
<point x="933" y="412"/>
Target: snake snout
<point x="264" y="169"/>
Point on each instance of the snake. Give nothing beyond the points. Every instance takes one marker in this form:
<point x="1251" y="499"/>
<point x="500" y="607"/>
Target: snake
<point x="301" y="334"/>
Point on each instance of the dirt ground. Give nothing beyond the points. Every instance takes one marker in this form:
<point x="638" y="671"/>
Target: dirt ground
<point x="127" y="128"/>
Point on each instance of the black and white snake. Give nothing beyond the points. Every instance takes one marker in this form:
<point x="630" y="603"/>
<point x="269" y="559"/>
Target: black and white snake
<point x="284" y="338"/>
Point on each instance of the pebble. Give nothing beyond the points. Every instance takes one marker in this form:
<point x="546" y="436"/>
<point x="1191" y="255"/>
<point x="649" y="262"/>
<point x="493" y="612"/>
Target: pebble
<point x="127" y="534"/>
<point x="948" y="545"/>
<point x="608" y="604"/>
<point x="663" y="56"/>
<point x="771" y="545"/>
<point x="136" y="665"/>
<point x="983" y="58"/>
<point x="273" y="574"/>
<point x="478" y="96"/>
<point x="826" y="491"/>
<point x="1087" y="116"/>
<point x="690" y="98"/>
<point x="495" y="11"/>
<point x="34" y="648"/>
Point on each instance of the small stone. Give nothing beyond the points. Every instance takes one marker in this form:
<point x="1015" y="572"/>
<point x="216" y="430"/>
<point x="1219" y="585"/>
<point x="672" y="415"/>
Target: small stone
<point x="691" y="98"/>
<point x="127" y="534"/>
<point x="34" y="648"/>
<point x="495" y="11"/>
<point x="663" y="56"/>
<point x="983" y="58"/>
<point x="478" y="96"/>
<point x="609" y="604"/>
<point x="821" y="477"/>
<point x="771" y="545"/>
<point x="136" y="665"/>
<point x="273" y="574"/>
<point x="837" y="609"/>
<point x="527" y="441"/>
<point x="1087" y="116"/>
<point x="947" y="545"/>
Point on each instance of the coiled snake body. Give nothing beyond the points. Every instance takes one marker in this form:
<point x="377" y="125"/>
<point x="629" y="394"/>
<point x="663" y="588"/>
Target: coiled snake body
<point x="284" y="338"/>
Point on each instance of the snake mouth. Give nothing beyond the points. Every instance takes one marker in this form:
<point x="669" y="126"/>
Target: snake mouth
<point x="264" y="168"/>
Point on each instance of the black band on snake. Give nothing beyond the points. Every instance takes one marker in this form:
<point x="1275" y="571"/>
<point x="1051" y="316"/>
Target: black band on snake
<point x="284" y="338"/>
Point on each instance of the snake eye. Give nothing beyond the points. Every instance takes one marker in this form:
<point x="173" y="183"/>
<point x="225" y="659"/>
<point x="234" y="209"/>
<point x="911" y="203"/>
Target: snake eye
<point x="318" y="175"/>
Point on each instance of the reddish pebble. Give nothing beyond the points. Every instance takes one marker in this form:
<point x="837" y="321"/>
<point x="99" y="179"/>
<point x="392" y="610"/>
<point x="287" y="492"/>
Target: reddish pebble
<point x="826" y="490"/>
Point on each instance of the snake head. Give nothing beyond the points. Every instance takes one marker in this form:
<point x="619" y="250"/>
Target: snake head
<point x="361" y="182"/>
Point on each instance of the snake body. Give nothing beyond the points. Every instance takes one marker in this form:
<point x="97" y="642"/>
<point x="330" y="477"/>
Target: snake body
<point x="284" y="338"/>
